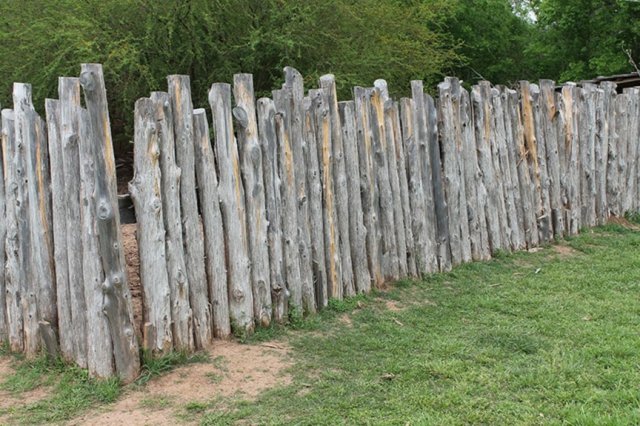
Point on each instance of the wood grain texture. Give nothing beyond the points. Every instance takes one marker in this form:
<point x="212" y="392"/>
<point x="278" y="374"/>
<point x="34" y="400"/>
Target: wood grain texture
<point x="357" y="230"/>
<point x="14" y="273"/>
<point x="145" y="190"/>
<point x="266" y="111"/>
<point x="233" y="211"/>
<point x="117" y="300"/>
<point x="252" y="177"/>
<point x="214" y="249"/>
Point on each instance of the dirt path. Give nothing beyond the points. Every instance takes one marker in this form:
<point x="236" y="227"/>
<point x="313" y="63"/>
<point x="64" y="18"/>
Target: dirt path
<point x="234" y="370"/>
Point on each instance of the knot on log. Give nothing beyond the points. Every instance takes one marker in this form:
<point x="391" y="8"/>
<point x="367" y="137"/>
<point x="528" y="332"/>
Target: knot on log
<point x="156" y="204"/>
<point x="71" y="140"/>
<point x="117" y="278"/>
<point x="87" y="80"/>
<point x="237" y="294"/>
<point x="181" y="278"/>
<point x="241" y="116"/>
<point x="104" y="210"/>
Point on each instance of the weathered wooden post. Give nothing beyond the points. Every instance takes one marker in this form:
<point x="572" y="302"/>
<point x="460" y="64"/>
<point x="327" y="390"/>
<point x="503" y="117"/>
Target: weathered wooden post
<point x="328" y="83"/>
<point x="507" y="163"/>
<point x="4" y="326"/>
<point x="251" y="169"/>
<point x="100" y="354"/>
<point x="629" y="201"/>
<point x="145" y="189"/>
<point x="476" y="192"/>
<point x="289" y="102"/>
<point x="450" y="134"/>
<point x="571" y="156"/>
<point x="25" y="134"/>
<point x="316" y="226"/>
<point x="357" y="231"/>
<point x="436" y="222"/>
<point x="117" y="298"/>
<point x="392" y="131"/>
<point x="398" y="152"/>
<point x="587" y="139"/>
<point x="621" y="126"/>
<point x="182" y="111"/>
<point x="233" y="210"/>
<point x="367" y="181"/>
<point x="384" y="212"/>
<point x="320" y="105"/>
<point x="207" y="178"/>
<point x="71" y="293"/>
<point x="15" y="273"/>
<point x="548" y="117"/>
<point x="65" y="324"/>
<point x="273" y="203"/>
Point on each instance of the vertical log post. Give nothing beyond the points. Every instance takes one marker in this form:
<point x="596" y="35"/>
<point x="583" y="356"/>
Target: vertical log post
<point x="15" y="273"/>
<point x="214" y="250"/>
<point x="233" y="211"/>
<point x="273" y="203"/>
<point x="251" y="168"/>
<point x="117" y="300"/>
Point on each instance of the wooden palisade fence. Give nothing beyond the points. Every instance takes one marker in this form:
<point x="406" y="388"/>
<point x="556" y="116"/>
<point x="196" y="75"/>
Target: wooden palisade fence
<point x="291" y="201"/>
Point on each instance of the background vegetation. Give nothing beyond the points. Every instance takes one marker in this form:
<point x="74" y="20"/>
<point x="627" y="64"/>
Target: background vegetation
<point x="140" y="42"/>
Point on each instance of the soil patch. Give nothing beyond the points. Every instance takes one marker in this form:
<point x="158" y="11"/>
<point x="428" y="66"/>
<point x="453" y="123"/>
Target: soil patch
<point x="9" y="400"/>
<point x="564" y="251"/>
<point x="234" y="370"/>
<point x="624" y="223"/>
<point x="130" y="244"/>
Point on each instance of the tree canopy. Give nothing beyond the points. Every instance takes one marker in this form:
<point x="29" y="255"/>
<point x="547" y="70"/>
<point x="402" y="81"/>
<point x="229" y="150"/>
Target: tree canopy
<point x="140" y="42"/>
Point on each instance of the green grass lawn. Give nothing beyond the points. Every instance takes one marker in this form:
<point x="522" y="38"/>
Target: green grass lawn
<point x="532" y="338"/>
<point x="551" y="337"/>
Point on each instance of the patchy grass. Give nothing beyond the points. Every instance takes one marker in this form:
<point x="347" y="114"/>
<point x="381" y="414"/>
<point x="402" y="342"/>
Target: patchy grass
<point x="153" y="365"/>
<point x="528" y="338"/>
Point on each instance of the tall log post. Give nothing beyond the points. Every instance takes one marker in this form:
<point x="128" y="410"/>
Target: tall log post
<point x="251" y="169"/>
<point x="214" y="249"/>
<point x="233" y="210"/>
<point x="273" y="203"/>
<point x="117" y="300"/>
<point x="587" y="155"/>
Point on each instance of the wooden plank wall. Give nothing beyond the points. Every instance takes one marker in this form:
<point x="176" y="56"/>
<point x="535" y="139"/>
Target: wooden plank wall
<point x="255" y="211"/>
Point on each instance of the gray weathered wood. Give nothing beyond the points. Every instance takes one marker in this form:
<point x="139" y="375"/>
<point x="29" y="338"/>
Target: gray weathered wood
<point x="252" y="176"/>
<point x="450" y="133"/>
<point x="99" y="355"/>
<point x="367" y="181"/>
<point x="571" y="157"/>
<point x="475" y="190"/>
<point x="434" y="257"/>
<point x="357" y="231"/>
<point x="606" y="96"/>
<point x="545" y="223"/>
<point x="393" y="137"/>
<point x="207" y="179"/>
<point x="4" y="326"/>
<point x="193" y="241"/>
<point x="320" y="105"/>
<point x="231" y="195"/>
<point x="621" y="127"/>
<point x="385" y="209"/>
<point x="25" y="123"/>
<point x="549" y="117"/>
<point x="14" y="272"/>
<point x="145" y="190"/>
<point x="423" y="256"/>
<point x="290" y="101"/>
<point x="482" y="111"/>
<point x="183" y="325"/>
<point x="273" y="203"/>
<point x="65" y="324"/>
<point x="324" y="140"/>
<point x="514" y="234"/>
<point x="316" y="225"/>
<point x="401" y="165"/>
<point x="328" y="83"/>
<point x="117" y="297"/>
<point x="289" y="217"/>
<point x="71" y="293"/>
<point x="629" y="201"/>
<point x="587" y="154"/>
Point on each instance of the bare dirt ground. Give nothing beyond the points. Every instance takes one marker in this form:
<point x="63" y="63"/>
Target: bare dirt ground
<point x="234" y="371"/>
